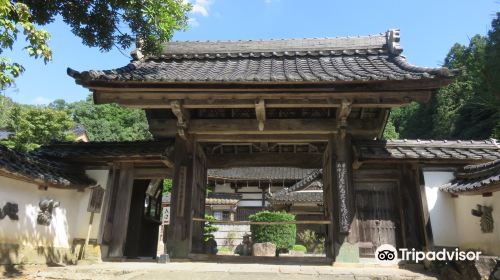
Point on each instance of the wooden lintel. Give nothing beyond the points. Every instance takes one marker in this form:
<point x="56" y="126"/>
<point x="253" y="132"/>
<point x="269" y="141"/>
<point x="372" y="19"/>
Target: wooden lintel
<point x="152" y="173"/>
<point x="168" y="127"/>
<point x="287" y="99"/>
<point x="263" y="138"/>
<point x="302" y="160"/>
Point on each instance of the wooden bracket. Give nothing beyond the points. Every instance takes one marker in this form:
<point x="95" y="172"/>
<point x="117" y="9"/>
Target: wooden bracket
<point x="260" y="113"/>
<point x="343" y="112"/>
<point x="182" y="118"/>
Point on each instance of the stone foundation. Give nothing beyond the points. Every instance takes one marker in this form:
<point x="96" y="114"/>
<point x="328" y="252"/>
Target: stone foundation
<point x="15" y="254"/>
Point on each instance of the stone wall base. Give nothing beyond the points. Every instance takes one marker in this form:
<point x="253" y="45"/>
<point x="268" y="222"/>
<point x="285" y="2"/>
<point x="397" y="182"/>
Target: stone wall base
<point x="16" y="254"/>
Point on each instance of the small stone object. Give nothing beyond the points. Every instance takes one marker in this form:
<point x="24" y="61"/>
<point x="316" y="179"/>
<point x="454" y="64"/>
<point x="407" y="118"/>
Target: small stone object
<point x="245" y="247"/>
<point x="266" y="249"/>
<point x="164" y="258"/>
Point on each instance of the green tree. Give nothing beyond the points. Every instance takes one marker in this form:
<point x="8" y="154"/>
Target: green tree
<point x="110" y="122"/>
<point x="469" y="107"/>
<point x="35" y="126"/>
<point x="15" y="19"/>
<point x="102" y="24"/>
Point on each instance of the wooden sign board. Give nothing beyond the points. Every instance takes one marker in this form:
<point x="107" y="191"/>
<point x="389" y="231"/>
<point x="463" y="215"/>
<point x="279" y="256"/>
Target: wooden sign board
<point x="96" y="198"/>
<point x="166" y="215"/>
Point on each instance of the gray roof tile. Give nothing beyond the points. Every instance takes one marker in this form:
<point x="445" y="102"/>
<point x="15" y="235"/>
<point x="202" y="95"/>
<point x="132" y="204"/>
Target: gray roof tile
<point x="475" y="179"/>
<point x="41" y="171"/>
<point x="441" y="150"/>
<point x="369" y="58"/>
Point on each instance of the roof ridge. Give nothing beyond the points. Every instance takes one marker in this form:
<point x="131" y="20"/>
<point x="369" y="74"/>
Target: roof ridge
<point x="388" y="40"/>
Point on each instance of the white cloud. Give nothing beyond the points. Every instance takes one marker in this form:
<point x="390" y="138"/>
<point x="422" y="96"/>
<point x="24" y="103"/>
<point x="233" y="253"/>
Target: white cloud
<point x="193" y="22"/>
<point x="201" y="7"/>
<point x="40" y="100"/>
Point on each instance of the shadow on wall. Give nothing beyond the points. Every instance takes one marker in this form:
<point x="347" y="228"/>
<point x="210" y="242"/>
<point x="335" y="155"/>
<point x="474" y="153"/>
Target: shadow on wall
<point x="24" y="241"/>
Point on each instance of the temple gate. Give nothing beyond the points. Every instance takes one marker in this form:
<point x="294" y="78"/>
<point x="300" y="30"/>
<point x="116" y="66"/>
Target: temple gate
<point x="322" y="94"/>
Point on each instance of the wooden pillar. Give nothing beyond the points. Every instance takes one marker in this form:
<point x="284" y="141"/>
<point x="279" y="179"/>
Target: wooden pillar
<point x="122" y="196"/>
<point x="188" y="199"/>
<point x="340" y="200"/>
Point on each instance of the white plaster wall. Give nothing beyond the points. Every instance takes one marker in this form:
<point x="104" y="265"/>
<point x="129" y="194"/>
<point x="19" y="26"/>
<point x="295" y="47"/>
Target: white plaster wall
<point x="468" y="226"/>
<point x="69" y="220"/>
<point x="441" y="208"/>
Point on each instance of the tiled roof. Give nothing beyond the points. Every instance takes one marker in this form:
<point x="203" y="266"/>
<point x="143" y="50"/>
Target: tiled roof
<point x="296" y="193"/>
<point x="41" y="171"/>
<point x="422" y="150"/>
<point x="84" y="150"/>
<point x="475" y="179"/>
<point x="364" y="58"/>
<point x="259" y="173"/>
<point x="216" y="198"/>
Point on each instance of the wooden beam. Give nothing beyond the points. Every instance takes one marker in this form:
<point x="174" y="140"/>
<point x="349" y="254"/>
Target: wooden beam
<point x="141" y="98"/>
<point x="266" y="138"/>
<point x="260" y="113"/>
<point x="168" y="127"/>
<point x="302" y="160"/>
<point x="152" y="173"/>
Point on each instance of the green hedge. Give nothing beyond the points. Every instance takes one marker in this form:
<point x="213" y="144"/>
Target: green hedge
<point x="283" y="236"/>
<point x="299" y="248"/>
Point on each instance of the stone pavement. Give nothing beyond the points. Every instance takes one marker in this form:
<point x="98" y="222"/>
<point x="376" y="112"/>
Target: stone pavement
<point x="215" y="271"/>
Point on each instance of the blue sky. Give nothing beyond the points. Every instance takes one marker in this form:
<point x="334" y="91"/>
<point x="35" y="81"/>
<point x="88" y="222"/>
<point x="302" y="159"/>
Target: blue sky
<point x="428" y="29"/>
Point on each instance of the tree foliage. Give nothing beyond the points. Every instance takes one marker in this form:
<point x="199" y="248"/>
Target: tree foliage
<point x="108" y="24"/>
<point x="468" y="108"/>
<point x="15" y="18"/>
<point x="108" y="122"/>
<point x="102" y="24"/>
<point x="35" y="126"/>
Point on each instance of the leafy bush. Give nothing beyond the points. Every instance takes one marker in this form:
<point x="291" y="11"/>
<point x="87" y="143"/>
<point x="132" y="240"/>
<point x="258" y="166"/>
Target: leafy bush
<point x="208" y="229"/>
<point x="299" y="248"/>
<point x="283" y="236"/>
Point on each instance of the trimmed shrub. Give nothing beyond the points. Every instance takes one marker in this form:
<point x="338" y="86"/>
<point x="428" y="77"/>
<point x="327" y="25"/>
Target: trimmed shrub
<point x="283" y="236"/>
<point x="299" y="248"/>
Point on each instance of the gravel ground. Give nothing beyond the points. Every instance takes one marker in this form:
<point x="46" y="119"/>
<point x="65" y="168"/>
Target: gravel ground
<point x="211" y="271"/>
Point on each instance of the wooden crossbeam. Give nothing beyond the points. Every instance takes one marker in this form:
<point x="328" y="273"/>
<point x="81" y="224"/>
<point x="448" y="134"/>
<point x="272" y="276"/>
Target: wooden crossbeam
<point x="168" y="127"/>
<point x="301" y="160"/>
<point x="312" y="222"/>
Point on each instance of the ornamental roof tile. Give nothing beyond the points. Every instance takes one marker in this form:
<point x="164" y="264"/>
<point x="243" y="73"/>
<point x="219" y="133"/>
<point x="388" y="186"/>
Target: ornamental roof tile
<point x="81" y="150"/>
<point x="422" y="150"/>
<point x="259" y="173"/>
<point x="477" y="178"/>
<point x="41" y="171"/>
<point x="297" y="192"/>
<point x="365" y="58"/>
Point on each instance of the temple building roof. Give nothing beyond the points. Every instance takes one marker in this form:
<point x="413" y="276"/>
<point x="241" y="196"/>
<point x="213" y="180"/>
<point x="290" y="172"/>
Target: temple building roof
<point x="259" y="173"/>
<point x="475" y="179"/>
<point x="362" y="58"/>
<point x="230" y="199"/>
<point x="309" y="189"/>
<point x="428" y="150"/>
<point x="40" y="171"/>
<point x="102" y="152"/>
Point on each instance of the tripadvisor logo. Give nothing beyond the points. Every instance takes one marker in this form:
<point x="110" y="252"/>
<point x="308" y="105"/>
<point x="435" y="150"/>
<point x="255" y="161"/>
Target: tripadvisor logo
<point x="387" y="254"/>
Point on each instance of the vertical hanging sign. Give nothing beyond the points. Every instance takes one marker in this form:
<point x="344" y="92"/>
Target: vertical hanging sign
<point x="182" y="191"/>
<point x="344" y="214"/>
